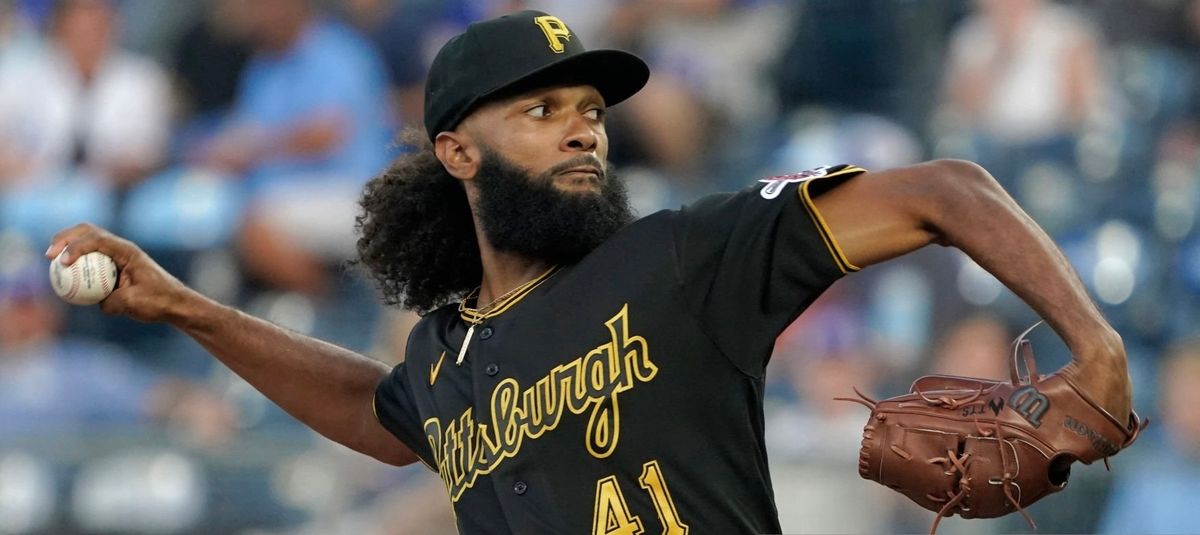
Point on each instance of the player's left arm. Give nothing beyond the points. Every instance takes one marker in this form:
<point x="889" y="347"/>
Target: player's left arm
<point x="879" y="216"/>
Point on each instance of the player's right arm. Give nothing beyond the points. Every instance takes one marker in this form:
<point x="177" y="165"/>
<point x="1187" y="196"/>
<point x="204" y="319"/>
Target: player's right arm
<point x="328" y="388"/>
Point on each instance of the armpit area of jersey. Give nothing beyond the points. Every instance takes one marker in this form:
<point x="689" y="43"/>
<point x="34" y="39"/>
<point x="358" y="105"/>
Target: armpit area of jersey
<point x="396" y="411"/>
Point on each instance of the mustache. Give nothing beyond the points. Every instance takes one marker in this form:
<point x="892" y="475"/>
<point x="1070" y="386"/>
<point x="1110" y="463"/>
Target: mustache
<point x="589" y="160"/>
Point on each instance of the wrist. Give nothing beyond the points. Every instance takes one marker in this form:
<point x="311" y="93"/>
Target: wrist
<point x="191" y="311"/>
<point x="1106" y="348"/>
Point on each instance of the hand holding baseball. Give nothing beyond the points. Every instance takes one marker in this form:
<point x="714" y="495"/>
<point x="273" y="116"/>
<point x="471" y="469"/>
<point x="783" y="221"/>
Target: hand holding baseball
<point x="143" y="290"/>
<point x="86" y="282"/>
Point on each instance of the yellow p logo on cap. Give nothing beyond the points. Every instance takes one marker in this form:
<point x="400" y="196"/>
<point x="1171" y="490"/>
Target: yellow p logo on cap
<point x="557" y="33"/>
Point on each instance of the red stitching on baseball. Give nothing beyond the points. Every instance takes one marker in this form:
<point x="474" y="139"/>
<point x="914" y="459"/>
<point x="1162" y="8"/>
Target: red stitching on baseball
<point x="75" y="282"/>
<point x="104" y="280"/>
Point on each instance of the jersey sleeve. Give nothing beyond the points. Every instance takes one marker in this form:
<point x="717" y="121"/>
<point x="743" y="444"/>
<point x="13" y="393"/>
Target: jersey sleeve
<point x="396" y="410"/>
<point x="750" y="262"/>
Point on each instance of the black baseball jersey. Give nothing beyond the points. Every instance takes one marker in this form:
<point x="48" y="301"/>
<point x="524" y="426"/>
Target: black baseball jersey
<point x="624" y="394"/>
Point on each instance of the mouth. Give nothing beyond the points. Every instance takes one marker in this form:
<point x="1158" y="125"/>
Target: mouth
<point x="586" y="171"/>
<point x="585" y="177"/>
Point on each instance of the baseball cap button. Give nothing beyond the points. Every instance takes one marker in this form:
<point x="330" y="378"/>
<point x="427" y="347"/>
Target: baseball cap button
<point x="520" y="487"/>
<point x="492" y="369"/>
<point x="486" y="332"/>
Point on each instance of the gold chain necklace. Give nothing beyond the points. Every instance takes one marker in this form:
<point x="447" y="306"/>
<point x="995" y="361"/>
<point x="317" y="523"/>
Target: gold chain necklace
<point x="480" y="313"/>
<point x="476" y="316"/>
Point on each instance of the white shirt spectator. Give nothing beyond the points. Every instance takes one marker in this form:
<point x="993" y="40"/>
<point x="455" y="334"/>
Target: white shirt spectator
<point x="48" y="114"/>
<point x="1028" y="83"/>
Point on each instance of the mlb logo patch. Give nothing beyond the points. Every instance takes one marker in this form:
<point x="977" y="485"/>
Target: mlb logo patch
<point x="776" y="184"/>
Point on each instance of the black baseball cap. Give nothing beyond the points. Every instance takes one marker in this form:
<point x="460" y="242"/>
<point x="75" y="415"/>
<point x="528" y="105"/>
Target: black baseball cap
<point x="523" y="50"/>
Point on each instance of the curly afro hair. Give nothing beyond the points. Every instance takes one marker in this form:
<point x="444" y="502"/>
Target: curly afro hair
<point x="416" y="233"/>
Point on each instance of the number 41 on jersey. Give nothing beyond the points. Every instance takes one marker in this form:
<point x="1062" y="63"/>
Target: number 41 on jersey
<point x="612" y="515"/>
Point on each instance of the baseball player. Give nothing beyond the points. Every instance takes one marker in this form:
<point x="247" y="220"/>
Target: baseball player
<point x="577" y="371"/>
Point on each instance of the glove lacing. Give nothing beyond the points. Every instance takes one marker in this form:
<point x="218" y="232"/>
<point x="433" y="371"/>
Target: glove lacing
<point x="959" y="462"/>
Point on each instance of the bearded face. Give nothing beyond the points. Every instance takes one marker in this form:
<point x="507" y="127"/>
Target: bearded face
<point x="526" y="214"/>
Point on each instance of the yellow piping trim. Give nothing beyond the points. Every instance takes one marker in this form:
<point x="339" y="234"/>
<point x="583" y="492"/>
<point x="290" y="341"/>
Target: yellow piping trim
<point x="832" y="253"/>
<point x="835" y="250"/>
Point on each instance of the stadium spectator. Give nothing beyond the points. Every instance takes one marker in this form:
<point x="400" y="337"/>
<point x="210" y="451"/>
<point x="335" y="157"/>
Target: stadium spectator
<point x="310" y="127"/>
<point x="208" y="61"/>
<point x="1023" y="79"/>
<point x="83" y="102"/>
<point x="865" y="56"/>
<point x="1159" y="493"/>
<point x="824" y="355"/>
<point x="53" y="384"/>
<point x="1022" y="71"/>
<point x="977" y="346"/>
<point x="710" y="60"/>
<point x="814" y="440"/>
<point x="406" y="33"/>
<point x="14" y="38"/>
<point x="16" y="33"/>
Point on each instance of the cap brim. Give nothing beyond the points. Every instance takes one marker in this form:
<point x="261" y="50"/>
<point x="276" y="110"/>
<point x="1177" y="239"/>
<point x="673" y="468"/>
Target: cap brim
<point x="616" y="74"/>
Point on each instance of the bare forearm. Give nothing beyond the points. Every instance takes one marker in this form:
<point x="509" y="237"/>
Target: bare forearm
<point x="978" y="217"/>
<point x="328" y="388"/>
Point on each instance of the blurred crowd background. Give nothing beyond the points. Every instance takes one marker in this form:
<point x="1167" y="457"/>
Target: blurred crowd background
<point x="230" y="139"/>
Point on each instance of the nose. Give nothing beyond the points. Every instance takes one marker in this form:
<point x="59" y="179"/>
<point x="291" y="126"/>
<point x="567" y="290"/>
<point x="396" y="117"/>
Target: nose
<point x="581" y="136"/>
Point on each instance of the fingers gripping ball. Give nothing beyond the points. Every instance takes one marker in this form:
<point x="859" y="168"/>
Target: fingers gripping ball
<point x="86" y="282"/>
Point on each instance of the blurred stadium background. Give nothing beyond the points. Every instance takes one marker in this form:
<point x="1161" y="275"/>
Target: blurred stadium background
<point x="229" y="138"/>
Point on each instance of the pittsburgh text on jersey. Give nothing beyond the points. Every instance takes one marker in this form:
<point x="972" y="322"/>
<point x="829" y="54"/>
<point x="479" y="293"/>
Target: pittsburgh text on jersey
<point x="465" y="449"/>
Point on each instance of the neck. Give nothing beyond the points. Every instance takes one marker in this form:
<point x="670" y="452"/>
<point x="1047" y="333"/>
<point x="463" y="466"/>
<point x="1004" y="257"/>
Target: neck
<point x="86" y="62"/>
<point x="503" y="271"/>
<point x="290" y="33"/>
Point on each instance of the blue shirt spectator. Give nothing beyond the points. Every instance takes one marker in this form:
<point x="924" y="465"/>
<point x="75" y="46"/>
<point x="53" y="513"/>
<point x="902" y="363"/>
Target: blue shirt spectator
<point x="1158" y="491"/>
<point x="407" y="34"/>
<point x="311" y="126"/>
<point x="329" y="74"/>
<point x="1158" y="494"/>
<point x="69" y="385"/>
<point x="54" y="385"/>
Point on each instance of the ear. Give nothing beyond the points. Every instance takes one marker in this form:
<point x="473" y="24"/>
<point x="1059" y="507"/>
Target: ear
<point x="458" y="154"/>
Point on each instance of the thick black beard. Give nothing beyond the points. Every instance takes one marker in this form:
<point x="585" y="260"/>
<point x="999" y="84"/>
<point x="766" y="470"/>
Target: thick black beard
<point x="527" y="215"/>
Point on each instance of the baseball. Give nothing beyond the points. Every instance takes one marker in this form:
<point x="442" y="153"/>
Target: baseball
<point x="86" y="282"/>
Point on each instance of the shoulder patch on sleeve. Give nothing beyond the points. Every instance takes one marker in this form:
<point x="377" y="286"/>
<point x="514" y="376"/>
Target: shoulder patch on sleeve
<point x="776" y="184"/>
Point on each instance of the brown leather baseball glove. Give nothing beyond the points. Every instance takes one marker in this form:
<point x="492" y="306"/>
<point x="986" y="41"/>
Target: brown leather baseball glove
<point x="981" y="448"/>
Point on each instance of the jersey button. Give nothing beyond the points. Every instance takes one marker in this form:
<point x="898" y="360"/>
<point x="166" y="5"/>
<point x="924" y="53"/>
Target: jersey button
<point x="492" y="369"/>
<point x="486" y="333"/>
<point x="520" y="487"/>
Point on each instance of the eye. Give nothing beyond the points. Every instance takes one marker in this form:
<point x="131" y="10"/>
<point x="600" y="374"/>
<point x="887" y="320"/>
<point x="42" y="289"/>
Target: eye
<point x="541" y="110"/>
<point x="594" y="114"/>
